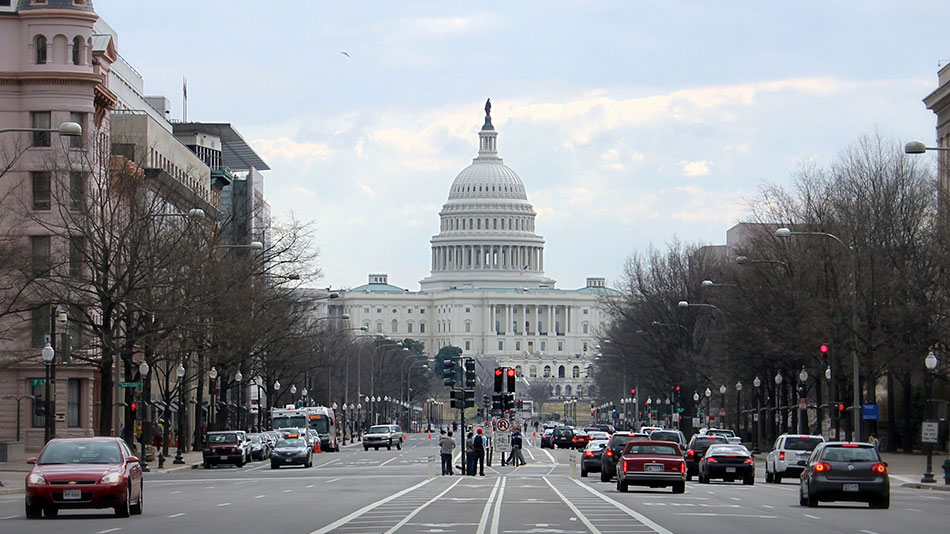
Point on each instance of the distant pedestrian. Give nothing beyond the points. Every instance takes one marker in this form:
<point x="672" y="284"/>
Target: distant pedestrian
<point x="873" y="440"/>
<point x="446" y="445"/>
<point x="479" y="443"/>
<point x="470" y="454"/>
<point x="517" y="458"/>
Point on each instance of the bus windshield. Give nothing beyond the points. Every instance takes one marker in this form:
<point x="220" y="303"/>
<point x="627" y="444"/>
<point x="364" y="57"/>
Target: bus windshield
<point x="290" y="421"/>
<point x="320" y="423"/>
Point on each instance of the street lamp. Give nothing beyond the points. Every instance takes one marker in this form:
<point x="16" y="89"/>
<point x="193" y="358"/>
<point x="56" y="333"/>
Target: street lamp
<point x="68" y="129"/>
<point x="722" y="404"/>
<point x="856" y="394"/>
<point x="146" y="423"/>
<point x="803" y="393"/>
<point x="930" y="362"/>
<point x="180" y="372"/>
<point x="213" y="375"/>
<point x="49" y="356"/>
<point x="758" y="416"/>
<point x="238" y="377"/>
<point x="779" y="409"/>
<point x="708" y="394"/>
<point x="739" y="419"/>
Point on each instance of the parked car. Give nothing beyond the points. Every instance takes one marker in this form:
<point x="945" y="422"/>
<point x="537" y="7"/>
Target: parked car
<point x="547" y="438"/>
<point x="608" y="462"/>
<point x="696" y="449"/>
<point x="730" y="435"/>
<point x="564" y="437"/>
<point x="839" y="471"/>
<point x="383" y="436"/>
<point x="292" y="451"/>
<point x="223" y="447"/>
<point x="789" y="455"/>
<point x="727" y="462"/>
<point x="590" y="457"/>
<point x="84" y="473"/>
<point x="656" y="464"/>
<point x="675" y="436"/>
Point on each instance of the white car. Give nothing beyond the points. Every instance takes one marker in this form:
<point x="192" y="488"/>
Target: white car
<point x="730" y="435"/>
<point x="789" y="456"/>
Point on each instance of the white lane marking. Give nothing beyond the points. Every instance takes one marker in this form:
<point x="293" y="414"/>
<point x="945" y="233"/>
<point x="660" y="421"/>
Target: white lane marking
<point x="868" y="531"/>
<point x="108" y="530"/>
<point x="495" y="516"/>
<point x="809" y="516"/>
<point x="328" y="463"/>
<point x="529" y="453"/>
<point x="710" y="514"/>
<point x="735" y="498"/>
<point x="239" y="483"/>
<point x="332" y="480"/>
<point x="622" y="507"/>
<point x="10" y="517"/>
<point x="173" y="516"/>
<point x="412" y="514"/>
<point x="549" y="456"/>
<point x="260" y="496"/>
<point x="573" y="508"/>
<point x="912" y="510"/>
<point x="288" y="491"/>
<point x="344" y="520"/>
<point x="387" y="461"/>
<point x="769" y="506"/>
<point x="209" y="487"/>
<point x="310" y="486"/>
<point x="225" y="504"/>
<point x="174" y="492"/>
<point x="262" y="466"/>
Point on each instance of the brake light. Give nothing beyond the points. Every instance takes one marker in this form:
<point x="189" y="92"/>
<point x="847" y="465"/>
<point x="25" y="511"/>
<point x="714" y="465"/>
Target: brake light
<point x="880" y="469"/>
<point x="822" y="467"/>
<point x="749" y="461"/>
<point x="781" y="456"/>
<point x="691" y="453"/>
<point x="711" y="460"/>
<point x="588" y="454"/>
<point x="850" y="445"/>
<point x="682" y="468"/>
<point x="610" y="452"/>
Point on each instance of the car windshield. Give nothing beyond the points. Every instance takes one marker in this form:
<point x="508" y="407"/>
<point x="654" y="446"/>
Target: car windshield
<point x="379" y="429"/>
<point x="702" y="444"/>
<point x="850" y="454"/>
<point x="665" y="435"/>
<point x="727" y="449"/>
<point x="723" y="433"/>
<point x="290" y="443"/>
<point x="222" y="438"/>
<point x="596" y="445"/>
<point x="647" y="448"/>
<point x="255" y="439"/>
<point x="85" y="452"/>
<point x="801" y="444"/>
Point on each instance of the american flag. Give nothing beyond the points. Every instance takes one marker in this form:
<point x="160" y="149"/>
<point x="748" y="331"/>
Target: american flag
<point x="523" y="269"/>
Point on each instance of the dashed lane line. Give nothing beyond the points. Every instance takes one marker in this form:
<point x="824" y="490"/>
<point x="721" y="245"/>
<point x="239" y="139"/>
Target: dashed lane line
<point x="624" y="508"/>
<point x="573" y="508"/>
<point x="225" y="504"/>
<point x="260" y="496"/>
<point x="173" y="516"/>
<point x="344" y="520"/>
<point x="483" y="520"/>
<point x="412" y="514"/>
<point x="109" y="530"/>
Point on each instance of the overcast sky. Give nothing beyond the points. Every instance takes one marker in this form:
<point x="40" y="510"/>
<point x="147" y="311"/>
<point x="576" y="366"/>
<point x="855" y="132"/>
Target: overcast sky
<point x="629" y="122"/>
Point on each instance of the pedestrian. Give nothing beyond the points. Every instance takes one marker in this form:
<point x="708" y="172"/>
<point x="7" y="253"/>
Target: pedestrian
<point x="517" y="458"/>
<point x="478" y="444"/>
<point x="446" y="445"/>
<point x="470" y="454"/>
<point x="873" y="440"/>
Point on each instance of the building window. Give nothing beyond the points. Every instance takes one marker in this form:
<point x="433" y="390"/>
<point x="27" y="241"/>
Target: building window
<point x="72" y="408"/>
<point x="379" y="310"/>
<point x="518" y="370"/>
<point x="576" y="372"/>
<point x="366" y="325"/>
<point x="77" y="189"/>
<point x="366" y="310"/>
<point x="517" y="345"/>
<point x="468" y="310"/>
<point x="533" y="371"/>
<point x="39" y="404"/>
<point x="422" y="328"/>
<point x="395" y="326"/>
<point x="585" y="311"/>
<point x="497" y="327"/>
<point x="584" y="328"/>
<point x="76" y="141"/>
<point x="77" y="46"/>
<point x="379" y="327"/>
<point x="394" y="310"/>
<point x="560" y="371"/>
<point x="77" y="252"/>
<point x="584" y="349"/>
<point x="547" y="371"/>
<point x="408" y="310"/>
<point x="468" y="345"/>
<point x="587" y="372"/>
<point x="41" y="120"/>
<point x="560" y="346"/>
<point x="41" y="255"/>
<point x="468" y="326"/>
<point x="557" y="390"/>
<point x="409" y="327"/>
<point x="40" y="50"/>
<point x="543" y="346"/>
<point x="42" y="190"/>
<point x="501" y="346"/>
<point x="567" y="390"/>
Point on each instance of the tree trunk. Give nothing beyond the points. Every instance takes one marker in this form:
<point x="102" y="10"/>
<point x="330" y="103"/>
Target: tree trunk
<point x="891" y="413"/>
<point x="907" y="432"/>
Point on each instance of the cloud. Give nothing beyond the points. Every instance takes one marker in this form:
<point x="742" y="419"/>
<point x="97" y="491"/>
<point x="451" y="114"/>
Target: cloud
<point x="301" y="191"/>
<point x="285" y="148"/>
<point x="718" y="208"/>
<point x="448" y="26"/>
<point x="695" y="168"/>
<point x="367" y="189"/>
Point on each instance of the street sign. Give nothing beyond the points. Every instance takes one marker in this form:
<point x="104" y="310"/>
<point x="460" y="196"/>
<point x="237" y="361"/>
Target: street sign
<point x="503" y="441"/>
<point x="802" y="403"/>
<point x="130" y="384"/>
<point x="696" y="422"/>
<point x="869" y="412"/>
<point x="502" y="425"/>
<point x="37" y="381"/>
<point x="722" y="411"/>
<point x="929" y="432"/>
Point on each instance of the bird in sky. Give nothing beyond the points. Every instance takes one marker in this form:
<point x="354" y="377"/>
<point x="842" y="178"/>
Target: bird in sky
<point x="345" y="53"/>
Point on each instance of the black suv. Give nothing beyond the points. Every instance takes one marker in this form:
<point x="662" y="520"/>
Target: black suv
<point x="608" y="461"/>
<point x="563" y="437"/>
<point x="697" y="449"/>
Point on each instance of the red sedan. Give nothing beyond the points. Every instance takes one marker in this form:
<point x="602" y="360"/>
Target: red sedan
<point x="650" y="463"/>
<point x="84" y="473"/>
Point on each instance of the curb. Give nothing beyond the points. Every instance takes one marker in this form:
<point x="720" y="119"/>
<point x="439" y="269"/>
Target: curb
<point x="925" y="486"/>
<point x="11" y="491"/>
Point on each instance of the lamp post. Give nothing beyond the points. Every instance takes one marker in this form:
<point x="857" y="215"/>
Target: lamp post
<point x="213" y="375"/>
<point x="739" y="418"/>
<point x="146" y="423"/>
<point x="238" y="377"/>
<point x="856" y="394"/>
<point x="930" y="362"/>
<point x="758" y="415"/>
<point x="780" y="409"/>
<point x="57" y="317"/>
<point x="831" y="401"/>
<point x="722" y="405"/>
<point x="803" y="410"/>
<point x="696" y="403"/>
<point x="49" y="356"/>
<point x="181" y="415"/>
<point x="708" y="394"/>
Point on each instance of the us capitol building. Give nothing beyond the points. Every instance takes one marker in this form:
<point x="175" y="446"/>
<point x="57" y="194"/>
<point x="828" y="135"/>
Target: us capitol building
<point x="487" y="292"/>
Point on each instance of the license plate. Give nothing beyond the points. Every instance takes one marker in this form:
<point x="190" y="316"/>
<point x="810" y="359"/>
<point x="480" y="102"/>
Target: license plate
<point x="224" y="457"/>
<point x="288" y="460"/>
<point x="850" y="487"/>
<point x="654" y="467"/>
<point x="730" y="469"/>
<point x="72" y="494"/>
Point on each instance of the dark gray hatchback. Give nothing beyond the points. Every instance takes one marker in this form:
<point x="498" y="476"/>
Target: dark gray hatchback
<point x="839" y="471"/>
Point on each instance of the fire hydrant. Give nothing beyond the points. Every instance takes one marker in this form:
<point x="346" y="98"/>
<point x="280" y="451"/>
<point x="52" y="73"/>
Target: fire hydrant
<point x="946" y="471"/>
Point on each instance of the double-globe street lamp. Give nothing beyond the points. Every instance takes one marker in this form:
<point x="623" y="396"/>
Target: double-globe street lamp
<point x="180" y="435"/>
<point x="930" y="362"/>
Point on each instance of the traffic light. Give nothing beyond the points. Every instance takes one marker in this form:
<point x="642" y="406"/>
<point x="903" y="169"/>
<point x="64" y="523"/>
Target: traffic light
<point x="497" y="402"/>
<point x="511" y="379"/>
<point x="677" y="389"/>
<point x="448" y="373"/>
<point x="509" y="400"/>
<point x="840" y="406"/>
<point x="499" y="379"/>
<point x="132" y="408"/>
<point x="469" y="365"/>
<point x="486" y="402"/>
<point x="633" y="391"/>
<point x="519" y="404"/>
<point x="824" y="349"/>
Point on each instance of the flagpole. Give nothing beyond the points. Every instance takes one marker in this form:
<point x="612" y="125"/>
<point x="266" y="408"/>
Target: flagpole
<point x="184" y="90"/>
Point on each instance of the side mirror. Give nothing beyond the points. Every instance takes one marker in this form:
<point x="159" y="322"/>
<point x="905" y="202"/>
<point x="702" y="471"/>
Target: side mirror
<point x="31" y="461"/>
<point x="132" y="459"/>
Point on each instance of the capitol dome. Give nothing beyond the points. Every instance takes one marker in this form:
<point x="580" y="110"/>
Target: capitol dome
<point x="487" y="236"/>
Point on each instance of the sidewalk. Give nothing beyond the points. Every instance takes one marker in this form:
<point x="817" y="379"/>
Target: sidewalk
<point x="13" y="474"/>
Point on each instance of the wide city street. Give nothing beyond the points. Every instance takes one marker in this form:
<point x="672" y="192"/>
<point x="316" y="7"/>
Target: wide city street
<point x="357" y="491"/>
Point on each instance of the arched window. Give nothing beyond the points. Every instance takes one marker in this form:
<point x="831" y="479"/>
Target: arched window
<point x="77" y="47"/>
<point x="560" y="371"/>
<point x="40" y="50"/>
<point x="557" y="390"/>
<point x="587" y="369"/>
<point x="518" y="370"/>
<point x="576" y="372"/>
<point x="533" y="371"/>
<point x="409" y="327"/>
<point x="547" y="371"/>
<point x="584" y="328"/>
<point x="567" y="390"/>
<point x="379" y="327"/>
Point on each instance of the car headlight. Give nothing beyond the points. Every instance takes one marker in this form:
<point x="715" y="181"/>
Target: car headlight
<point x="35" y="479"/>
<point x="111" y="478"/>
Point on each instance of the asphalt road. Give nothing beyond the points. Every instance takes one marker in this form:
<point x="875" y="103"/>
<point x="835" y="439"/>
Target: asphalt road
<point x="391" y="491"/>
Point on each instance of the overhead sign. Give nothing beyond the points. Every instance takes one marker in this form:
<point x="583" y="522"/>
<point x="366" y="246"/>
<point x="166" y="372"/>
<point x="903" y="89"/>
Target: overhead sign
<point x="37" y="381"/>
<point x="130" y="384"/>
<point x="502" y="441"/>
<point x="929" y="432"/>
<point x="502" y="425"/>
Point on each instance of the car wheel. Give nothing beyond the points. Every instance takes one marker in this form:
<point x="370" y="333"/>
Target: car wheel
<point x="136" y="509"/>
<point x="376" y="448"/>
<point x="802" y="501"/>
<point x="811" y="500"/>
<point x="51" y="511"/>
<point x="748" y="480"/>
<point x="768" y="475"/>
<point x="399" y="446"/>
<point x="273" y="465"/>
<point x="366" y="449"/>
<point x="679" y="487"/>
<point x="881" y="503"/>
<point x="33" y="512"/>
<point x="777" y="478"/>
<point x="703" y="479"/>
<point x="583" y="472"/>
<point x="123" y="509"/>
<point x="604" y="477"/>
<point x="206" y="464"/>
<point x="622" y="486"/>
<point x="389" y="447"/>
<point x="240" y="463"/>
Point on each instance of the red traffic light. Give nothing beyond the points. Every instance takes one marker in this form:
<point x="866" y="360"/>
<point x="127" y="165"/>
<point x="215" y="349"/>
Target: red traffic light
<point x="677" y="388"/>
<point x="133" y="406"/>
<point x="633" y="391"/>
<point x="823" y="349"/>
<point x="841" y="407"/>
<point x="511" y="371"/>
<point x="498" y="371"/>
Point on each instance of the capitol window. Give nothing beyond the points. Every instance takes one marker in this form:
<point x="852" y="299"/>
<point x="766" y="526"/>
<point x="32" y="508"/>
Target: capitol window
<point x="533" y="371"/>
<point x="576" y="372"/>
<point x="584" y="328"/>
<point x="543" y="346"/>
<point x="468" y="345"/>
<point x="517" y="345"/>
<point x="422" y="328"/>
<point x="379" y="310"/>
<point x="547" y="371"/>
<point x="409" y="327"/>
<point x="468" y="326"/>
<point x="501" y="346"/>
<point x="395" y="326"/>
<point x="560" y="371"/>
<point x="379" y="327"/>
<point x="518" y="370"/>
<point x="560" y="346"/>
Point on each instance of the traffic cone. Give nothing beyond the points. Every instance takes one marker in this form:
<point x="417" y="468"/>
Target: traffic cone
<point x="316" y="447"/>
<point x="430" y="435"/>
<point x="534" y="434"/>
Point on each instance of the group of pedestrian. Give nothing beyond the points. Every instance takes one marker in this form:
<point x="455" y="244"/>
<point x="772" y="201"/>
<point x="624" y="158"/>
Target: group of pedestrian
<point x="515" y="457"/>
<point x="475" y="445"/>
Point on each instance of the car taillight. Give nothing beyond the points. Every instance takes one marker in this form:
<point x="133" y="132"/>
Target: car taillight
<point x="623" y="466"/>
<point x="711" y="460"/>
<point x="682" y="468"/>
<point x="691" y="453"/>
<point x="610" y="452"/>
<point x="822" y="467"/>
<point x="781" y="456"/>
<point x="588" y="454"/>
<point x="879" y="468"/>
<point x="749" y="461"/>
